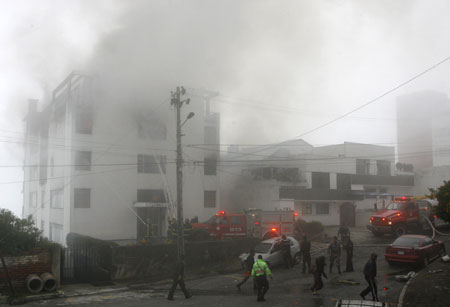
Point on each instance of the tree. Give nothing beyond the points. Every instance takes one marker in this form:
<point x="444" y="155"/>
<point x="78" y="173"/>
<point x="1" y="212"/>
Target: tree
<point x="19" y="234"/>
<point x="442" y="194"/>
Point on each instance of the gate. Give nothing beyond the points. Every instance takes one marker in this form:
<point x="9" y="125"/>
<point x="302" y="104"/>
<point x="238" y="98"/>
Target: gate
<point x="83" y="262"/>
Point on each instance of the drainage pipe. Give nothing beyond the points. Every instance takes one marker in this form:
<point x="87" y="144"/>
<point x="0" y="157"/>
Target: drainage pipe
<point x="34" y="283"/>
<point x="49" y="281"/>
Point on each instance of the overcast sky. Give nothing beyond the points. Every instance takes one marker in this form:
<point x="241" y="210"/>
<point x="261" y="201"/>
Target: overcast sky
<point x="282" y="68"/>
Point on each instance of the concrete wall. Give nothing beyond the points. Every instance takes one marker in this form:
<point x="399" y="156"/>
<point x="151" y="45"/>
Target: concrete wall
<point x="157" y="261"/>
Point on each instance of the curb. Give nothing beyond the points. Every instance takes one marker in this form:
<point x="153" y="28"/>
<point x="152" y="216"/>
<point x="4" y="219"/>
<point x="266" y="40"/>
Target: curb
<point x="402" y="294"/>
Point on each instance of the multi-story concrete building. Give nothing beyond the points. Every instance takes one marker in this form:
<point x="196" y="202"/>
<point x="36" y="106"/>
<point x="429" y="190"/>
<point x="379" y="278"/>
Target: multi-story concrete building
<point x="103" y="167"/>
<point x="423" y="125"/>
<point x="333" y="184"/>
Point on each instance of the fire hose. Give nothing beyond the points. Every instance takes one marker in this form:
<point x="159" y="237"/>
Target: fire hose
<point x="434" y="229"/>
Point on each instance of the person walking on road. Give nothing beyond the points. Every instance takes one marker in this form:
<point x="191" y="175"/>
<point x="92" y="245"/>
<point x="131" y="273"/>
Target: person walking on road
<point x="370" y="272"/>
<point x="286" y="251"/>
<point x="318" y="270"/>
<point x="260" y="272"/>
<point x="348" y="247"/>
<point x="305" y="251"/>
<point x="178" y="279"/>
<point x="249" y="262"/>
<point x="334" y="250"/>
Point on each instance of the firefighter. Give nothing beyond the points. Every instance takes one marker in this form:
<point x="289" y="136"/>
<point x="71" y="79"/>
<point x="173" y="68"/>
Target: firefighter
<point x="370" y="272"/>
<point x="285" y="246"/>
<point x="334" y="250"/>
<point x="260" y="271"/>
<point x="305" y="251"/>
<point x="178" y="279"/>
<point x="343" y="232"/>
<point x="249" y="262"/>
<point x="348" y="247"/>
<point x="318" y="270"/>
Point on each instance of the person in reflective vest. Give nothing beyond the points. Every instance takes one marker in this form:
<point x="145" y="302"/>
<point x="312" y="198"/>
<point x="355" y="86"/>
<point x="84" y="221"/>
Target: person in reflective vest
<point x="260" y="272"/>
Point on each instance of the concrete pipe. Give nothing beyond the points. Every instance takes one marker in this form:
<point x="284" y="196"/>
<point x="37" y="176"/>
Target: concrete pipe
<point x="49" y="281"/>
<point x="34" y="283"/>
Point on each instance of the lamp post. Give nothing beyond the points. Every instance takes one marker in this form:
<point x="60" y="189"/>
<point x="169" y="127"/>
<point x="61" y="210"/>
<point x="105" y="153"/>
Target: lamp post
<point x="177" y="102"/>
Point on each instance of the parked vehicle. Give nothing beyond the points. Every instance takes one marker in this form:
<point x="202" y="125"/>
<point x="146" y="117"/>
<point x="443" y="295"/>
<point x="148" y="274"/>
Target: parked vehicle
<point x="252" y="223"/>
<point x="271" y="252"/>
<point x="415" y="249"/>
<point x="402" y="215"/>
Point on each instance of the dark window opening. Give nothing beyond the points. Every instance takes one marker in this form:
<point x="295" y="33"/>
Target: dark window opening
<point x="210" y="166"/>
<point x="210" y="199"/>
<point x="344" y="181"/>
<point x="383" y="168"/>
<point x="320" y="180"/>
<point x="362" y="166"/>
<point x="322" y="208"/>
<point x="151" y="196"/>
<point x="82" y="198"/>
<point x="148" y="164"/>
<point x="83" y="160"/>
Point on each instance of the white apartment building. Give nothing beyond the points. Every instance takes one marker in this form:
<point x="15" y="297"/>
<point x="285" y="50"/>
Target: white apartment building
<point x="105" y="168"/>
<point x="333" y="184"/>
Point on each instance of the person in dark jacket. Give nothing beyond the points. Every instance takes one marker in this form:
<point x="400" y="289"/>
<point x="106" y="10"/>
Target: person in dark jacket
<point x="348" y="247"/>
<point x="305" y="251"/>
<point x="318" y="270"/>
<point x="178" y="279"/>
<point x="249" y="262"/>
<point x="343" y="232"/>
<point x="285" y="246"/>
<point x="334" y="250"/>
<point x="370" y="272"/>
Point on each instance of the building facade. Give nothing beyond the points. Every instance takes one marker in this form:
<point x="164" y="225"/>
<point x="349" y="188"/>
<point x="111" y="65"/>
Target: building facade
<point x="105" y="167"/>
<point x="335" y="185"/>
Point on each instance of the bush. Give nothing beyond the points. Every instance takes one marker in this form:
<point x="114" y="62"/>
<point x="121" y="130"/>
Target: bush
<point x="18" y="235"/>
<point x="442" y="194"/>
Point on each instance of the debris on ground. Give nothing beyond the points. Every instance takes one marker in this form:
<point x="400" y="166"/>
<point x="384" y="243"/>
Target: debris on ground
<point x="435" y="271"/>
<point x="446" y="258"/>
<point x="358" y="303"/>
<point x="405" y="277"/>
<point x="348" y="282"/>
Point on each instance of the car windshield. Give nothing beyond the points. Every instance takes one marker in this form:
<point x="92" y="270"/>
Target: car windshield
<point x="263" y="248"/>
<point x="407" y="242"/>
<point x="395" y="206"/>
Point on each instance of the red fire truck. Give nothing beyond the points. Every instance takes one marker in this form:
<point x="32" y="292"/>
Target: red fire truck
<point x="401" y="215"/>
<point x="251" y="223"/>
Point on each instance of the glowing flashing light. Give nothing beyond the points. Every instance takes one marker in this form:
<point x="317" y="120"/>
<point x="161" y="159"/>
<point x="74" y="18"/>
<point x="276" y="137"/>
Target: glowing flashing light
<point x="274" y="229"/>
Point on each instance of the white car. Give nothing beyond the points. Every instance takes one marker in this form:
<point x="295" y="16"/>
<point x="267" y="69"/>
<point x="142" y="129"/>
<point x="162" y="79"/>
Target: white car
<point x="271" y="253"/>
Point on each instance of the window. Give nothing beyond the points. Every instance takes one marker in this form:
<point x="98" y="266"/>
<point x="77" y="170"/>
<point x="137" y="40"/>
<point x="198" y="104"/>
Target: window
<point x="56" y="233"/>
<point x="383" y="168"/>
<point x="82" y="160"/>
<point x="42" y="199"/>
<point x="33" y="199"/>
<point x="33" y="173"/>
<point x="322" y="208"/>
<point x="56" y="199"/>
<point x="362" y="166"/>
<point x="151" y="196"/>
<point x="210" y="166"/>
<point x="344" y="181"/>
<point x="320" y="180"/>
<point x="306" y="209"/>
<point x="209" y="199"/>
<point x="211" y="135"/>
<point x="147" y="164"/>
<point x="427" y="241"/>
<point x="151" y="127"/>
<point x="236" y="220"/>
<point x="84" y="120"/>
<point x="82" y="198"/>
<point x="52" y="167"/>
<point x="42" y="226"/>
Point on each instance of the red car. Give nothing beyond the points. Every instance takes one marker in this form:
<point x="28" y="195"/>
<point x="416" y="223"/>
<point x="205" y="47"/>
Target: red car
<point x="414" y="249"/>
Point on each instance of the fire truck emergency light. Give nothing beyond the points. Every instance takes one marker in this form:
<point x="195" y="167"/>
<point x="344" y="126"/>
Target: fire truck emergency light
<point x="221" y="212"/>
<point x="295" y="213"/>
<point x="274" y="229"/>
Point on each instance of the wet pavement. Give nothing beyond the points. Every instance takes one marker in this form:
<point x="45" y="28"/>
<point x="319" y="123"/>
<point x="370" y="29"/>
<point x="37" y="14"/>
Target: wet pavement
<point x="289" y="287"/>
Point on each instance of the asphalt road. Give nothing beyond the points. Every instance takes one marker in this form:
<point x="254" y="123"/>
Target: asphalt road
<point x="289" y="287"/>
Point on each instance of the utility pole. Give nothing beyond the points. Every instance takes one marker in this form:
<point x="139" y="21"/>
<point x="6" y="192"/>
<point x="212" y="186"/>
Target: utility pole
<point x="178" y="103"/>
